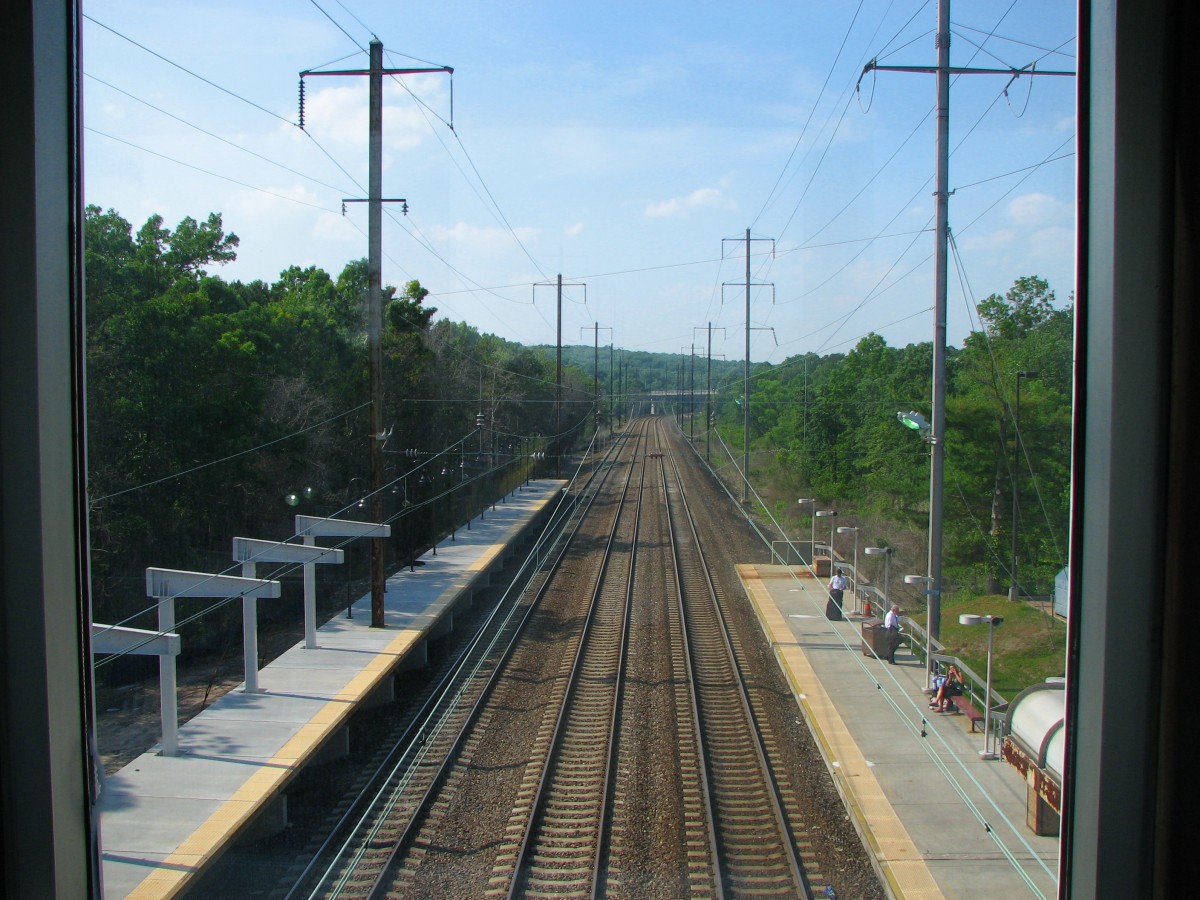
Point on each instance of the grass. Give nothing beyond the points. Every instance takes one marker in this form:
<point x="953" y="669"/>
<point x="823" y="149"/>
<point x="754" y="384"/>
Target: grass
<point x="1029" y="646"/>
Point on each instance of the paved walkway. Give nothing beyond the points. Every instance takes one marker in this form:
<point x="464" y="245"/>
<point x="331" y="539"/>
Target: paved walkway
<point x="938" y="820"/>
<point x="165" y="818"/>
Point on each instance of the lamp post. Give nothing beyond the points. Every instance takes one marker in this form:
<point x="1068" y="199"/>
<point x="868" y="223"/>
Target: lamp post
<point x="1014" y="590"/>
<point x="992" y="623"/>
<point x="886" y="553"/>
<point x="829" y="514"/>
<point x="812" y="520"/>
<point x="932" y="435"/>
<point x="927" y="582"/>
<point x="852" y="529"/>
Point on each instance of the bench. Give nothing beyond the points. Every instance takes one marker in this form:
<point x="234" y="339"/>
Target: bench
<point x="974" y="716"/>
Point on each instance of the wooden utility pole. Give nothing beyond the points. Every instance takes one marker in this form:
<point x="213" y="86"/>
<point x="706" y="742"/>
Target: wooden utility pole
<point x="375" y="203"/>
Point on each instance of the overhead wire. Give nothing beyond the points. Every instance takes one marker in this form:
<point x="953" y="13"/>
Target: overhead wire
<point x="209" y="172"/>
<point x="1000" y="388"/>
<point x="961" y="141"/>
<point x="92" y="501"/>
<point x="811" y="113"/>
<point x="212" y="134"/>
<point x="182" y="68"/>
<point x="336" y="23"/>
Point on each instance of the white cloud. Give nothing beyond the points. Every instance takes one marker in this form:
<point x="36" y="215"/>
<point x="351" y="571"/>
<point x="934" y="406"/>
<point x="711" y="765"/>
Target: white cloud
<point x="989" y="241"/>
<point x="1056" y="243"/>
<point x="338" y="116"/>
<point x="573" y="230"/>
<point x="478" y="239"/>
<point x="678" y="205"/>
<point x="1040" y="209"/>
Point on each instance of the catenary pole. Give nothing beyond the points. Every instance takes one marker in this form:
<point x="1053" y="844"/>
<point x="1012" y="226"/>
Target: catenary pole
<point x="558" y="388"/>
<point x="746" y="388"/>
<point x="375" y="201"/>
<point x="943" y="70"/>
<point x="375" y="321"/>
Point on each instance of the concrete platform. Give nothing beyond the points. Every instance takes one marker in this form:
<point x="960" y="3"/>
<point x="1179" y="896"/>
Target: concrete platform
<point x="163" y="819"/>
<point x="939" y="820"/>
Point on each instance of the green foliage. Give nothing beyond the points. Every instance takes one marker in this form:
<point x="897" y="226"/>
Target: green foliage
<point x="1029" y="647"/>
<point x="186" y="369"/>
<point x="830" y="424"/>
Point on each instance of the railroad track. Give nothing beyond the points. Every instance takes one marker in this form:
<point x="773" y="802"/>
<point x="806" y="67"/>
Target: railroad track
<point x="568" y="777"/>
<point x="611" y="750"/>
<point x="755" y="851"/>
<point x="355" y="859"/>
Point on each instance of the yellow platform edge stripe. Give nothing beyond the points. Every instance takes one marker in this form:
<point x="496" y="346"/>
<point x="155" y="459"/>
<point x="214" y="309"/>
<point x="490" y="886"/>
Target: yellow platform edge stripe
<point x="897" y="858"/>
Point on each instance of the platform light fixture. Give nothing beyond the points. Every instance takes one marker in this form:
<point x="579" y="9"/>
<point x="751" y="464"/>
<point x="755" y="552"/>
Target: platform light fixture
<point x="926" y="582"/>
<point x="812" y="530"/>
<point x="886" y="553"/>
<point x="852" y="529"/>
<point x="993" y="622"/>
<point x="825" y="514"/>
<point x="917" y="422"/>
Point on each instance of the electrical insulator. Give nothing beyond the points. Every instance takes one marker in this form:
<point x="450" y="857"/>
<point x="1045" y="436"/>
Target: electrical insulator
<point x="302" y="110"/>
<point x="478" y="420"/>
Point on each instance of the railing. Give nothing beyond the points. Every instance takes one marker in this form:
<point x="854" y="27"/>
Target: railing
<point x="975" y="688"/>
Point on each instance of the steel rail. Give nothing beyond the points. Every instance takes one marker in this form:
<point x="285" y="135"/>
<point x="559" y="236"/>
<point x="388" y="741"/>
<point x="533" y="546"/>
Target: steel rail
<point x="520" y="868"/>
<point x="385" y="798"/>
<point x="689" y="668"/>
<point x="794" y="863"/>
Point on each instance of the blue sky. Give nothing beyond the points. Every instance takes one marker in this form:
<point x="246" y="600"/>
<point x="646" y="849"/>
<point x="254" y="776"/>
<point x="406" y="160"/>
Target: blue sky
<point x="621" y="142"/>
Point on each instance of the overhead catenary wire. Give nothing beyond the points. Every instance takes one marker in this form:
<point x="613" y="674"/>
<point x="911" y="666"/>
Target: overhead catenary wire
<point x="195" y="75"/>
<point x="811" y="113"/>
<point x="212" y="135"/>
<point x="209" y="172"/>
<point x="93" y="501"/>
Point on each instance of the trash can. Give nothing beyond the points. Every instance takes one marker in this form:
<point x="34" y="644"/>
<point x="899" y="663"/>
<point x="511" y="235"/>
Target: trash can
<point x="875" y="638"/>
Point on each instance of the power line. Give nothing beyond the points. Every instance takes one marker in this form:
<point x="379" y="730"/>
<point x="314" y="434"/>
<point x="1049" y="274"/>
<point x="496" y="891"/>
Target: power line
<point x="811" y="113"/>
<point x="225" y="459"/>
<point x="337" y="24"/>
<point x="181" y="68"/>
<point x="208" y="171"/>
<point x="213" y="135"/>
<point x="1037" y="165"/>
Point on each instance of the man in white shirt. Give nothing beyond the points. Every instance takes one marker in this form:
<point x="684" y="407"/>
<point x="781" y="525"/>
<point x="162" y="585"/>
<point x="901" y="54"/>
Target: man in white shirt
<point x="892" y="623"/>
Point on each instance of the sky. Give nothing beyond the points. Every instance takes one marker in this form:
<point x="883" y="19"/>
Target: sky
<point x="627" y="146"/>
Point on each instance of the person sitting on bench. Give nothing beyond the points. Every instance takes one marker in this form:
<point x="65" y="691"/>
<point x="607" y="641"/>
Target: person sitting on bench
<point x="950" y="687"/>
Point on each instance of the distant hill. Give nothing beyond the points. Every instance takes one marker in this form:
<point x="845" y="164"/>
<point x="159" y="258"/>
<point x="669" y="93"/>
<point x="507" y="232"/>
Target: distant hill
<point x="644" y="371"/>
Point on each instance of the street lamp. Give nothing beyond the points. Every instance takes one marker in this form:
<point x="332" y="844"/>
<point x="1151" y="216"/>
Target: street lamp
<point x="852" y="529"/>
<point x="1014" y="590"/>
<point x="992" y="623"/>
<point x="886" y="553"/>
<point x="917" y="422"/>
<point x="293" y="499"/>
<point x="928" y="582"/>
<point x="812" y="530"/>
<point x="821" y="514"/>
